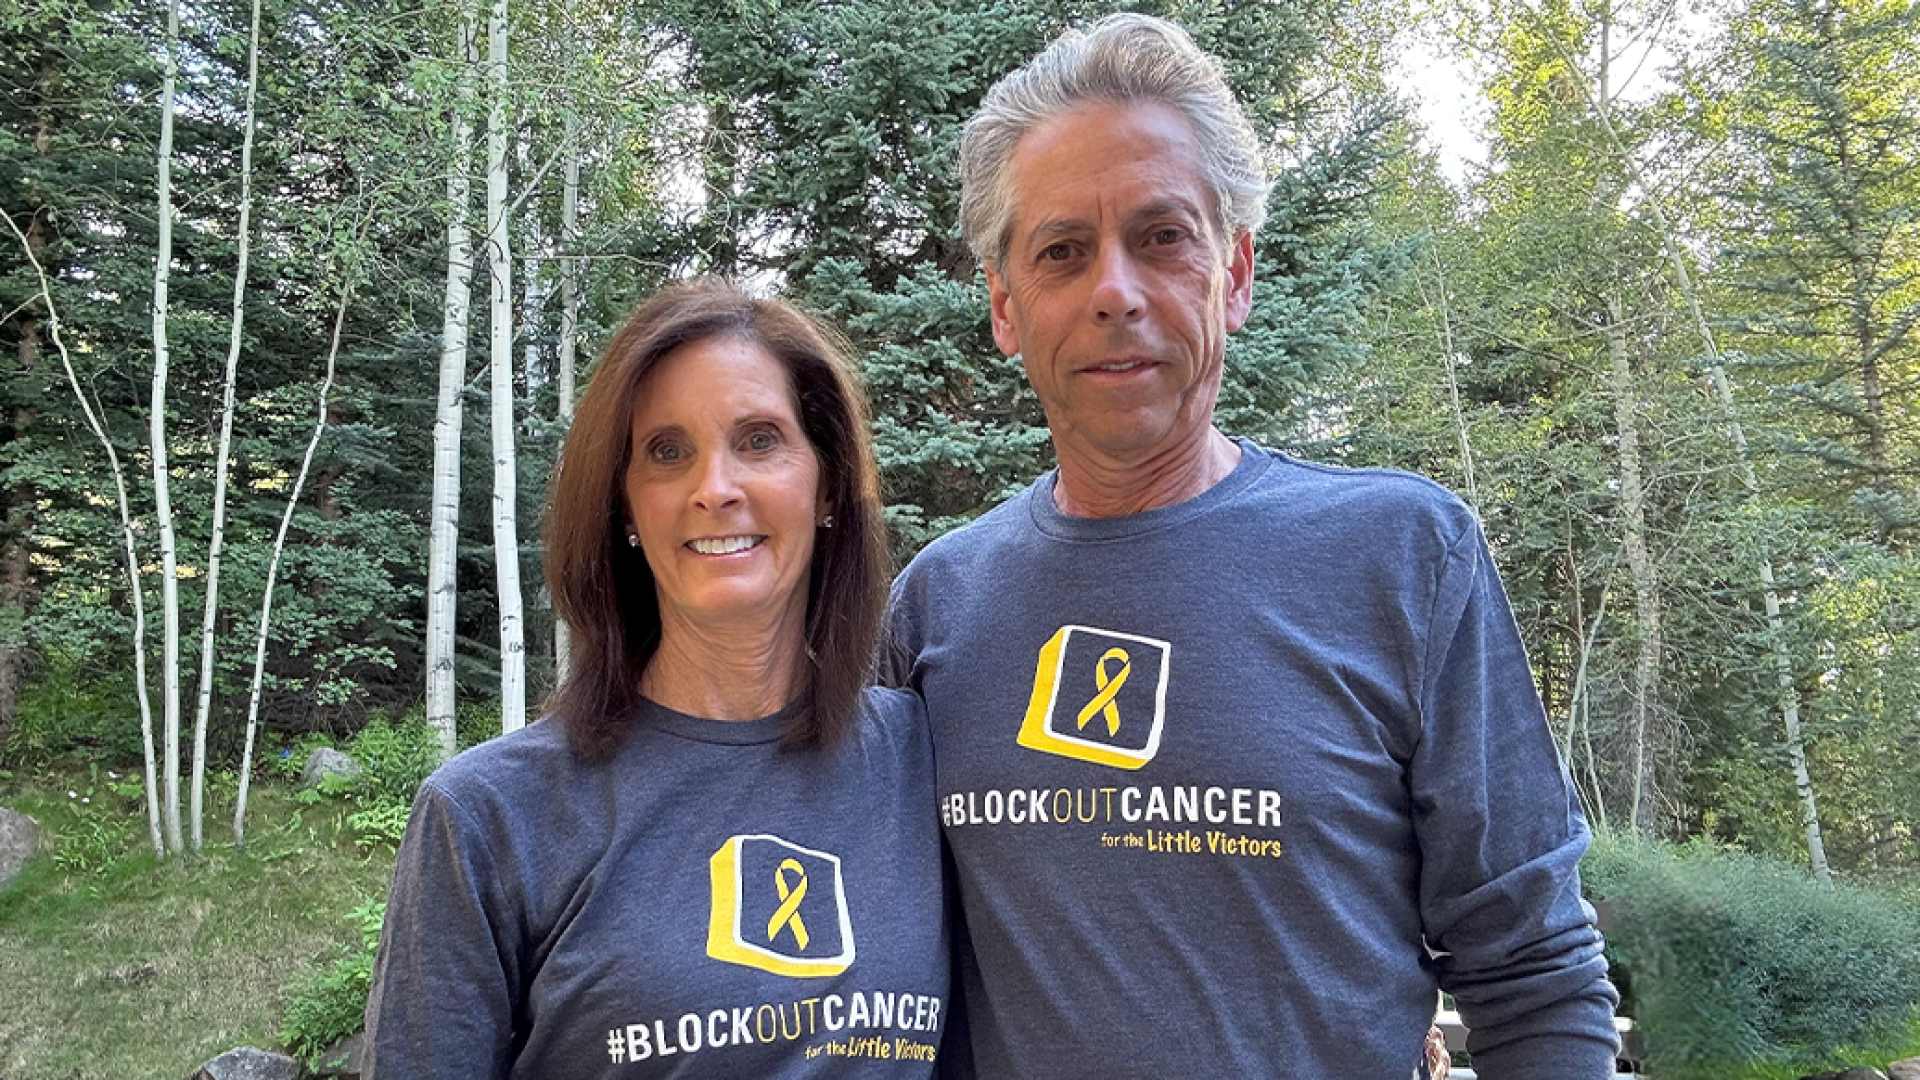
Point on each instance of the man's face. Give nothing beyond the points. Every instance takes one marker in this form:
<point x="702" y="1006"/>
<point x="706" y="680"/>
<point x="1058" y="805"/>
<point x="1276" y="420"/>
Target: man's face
<point x="1118" y="291"/>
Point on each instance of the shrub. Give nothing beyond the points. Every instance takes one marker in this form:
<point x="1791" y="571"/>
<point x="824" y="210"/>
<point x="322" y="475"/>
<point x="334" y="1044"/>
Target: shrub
<point x="396" y="758"/>
<point x="332" y="1005"/>
<point x="66" y="709"/>
<point x="383" y="823"/>
<point x="395" y="761"/>
<point x="474" y="724"/>
<point x="1740" y="962"/>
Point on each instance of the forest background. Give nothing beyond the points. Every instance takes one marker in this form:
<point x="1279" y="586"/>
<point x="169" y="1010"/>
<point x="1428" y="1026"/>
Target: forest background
<point x="1663" y="342"/>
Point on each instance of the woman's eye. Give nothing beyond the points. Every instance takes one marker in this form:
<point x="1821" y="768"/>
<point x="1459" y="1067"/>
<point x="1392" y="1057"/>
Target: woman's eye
<point x="762" y="441"/>
<point x="667" y="453"/>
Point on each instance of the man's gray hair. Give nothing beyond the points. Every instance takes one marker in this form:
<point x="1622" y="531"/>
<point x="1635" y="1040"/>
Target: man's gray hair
<point x="1122" y="59"/>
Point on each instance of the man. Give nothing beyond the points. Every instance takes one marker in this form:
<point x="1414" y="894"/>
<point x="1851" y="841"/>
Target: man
<point x="1238" y="757"/>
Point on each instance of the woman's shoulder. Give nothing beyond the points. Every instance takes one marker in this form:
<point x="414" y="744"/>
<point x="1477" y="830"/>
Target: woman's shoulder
<point x="894" y="724"/>
<point x="886" y="705"/>
<point x="515" y="766"/>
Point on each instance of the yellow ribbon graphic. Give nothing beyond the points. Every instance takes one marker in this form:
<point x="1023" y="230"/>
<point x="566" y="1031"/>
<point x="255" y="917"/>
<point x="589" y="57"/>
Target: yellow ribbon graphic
<point x="1109" y="689"/>
<point x="788" y="913"/>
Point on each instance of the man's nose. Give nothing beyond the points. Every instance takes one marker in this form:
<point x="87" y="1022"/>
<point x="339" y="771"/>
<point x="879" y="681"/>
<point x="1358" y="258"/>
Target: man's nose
<point x="1116" y="286"/>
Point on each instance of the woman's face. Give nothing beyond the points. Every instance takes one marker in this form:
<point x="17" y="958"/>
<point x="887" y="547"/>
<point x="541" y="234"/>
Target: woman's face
<point x="724" y="488"/>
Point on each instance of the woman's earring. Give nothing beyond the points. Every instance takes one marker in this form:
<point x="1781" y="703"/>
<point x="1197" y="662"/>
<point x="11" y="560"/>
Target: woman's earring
<point x="633" y="539"/>
<point x="827" y="522"/>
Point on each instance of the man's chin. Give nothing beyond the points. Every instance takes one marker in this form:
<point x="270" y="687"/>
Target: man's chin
<point x="1131" y="439"/>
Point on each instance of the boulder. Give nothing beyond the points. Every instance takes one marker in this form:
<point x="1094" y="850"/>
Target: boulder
<point x="19" y="839"/>
<point x="342" y="1061"/>
<point x="247" y="1063"/>
<point x="326" y="762"/>
<point x="1908" y="1069"/>
<point x="1858" y="1072"/>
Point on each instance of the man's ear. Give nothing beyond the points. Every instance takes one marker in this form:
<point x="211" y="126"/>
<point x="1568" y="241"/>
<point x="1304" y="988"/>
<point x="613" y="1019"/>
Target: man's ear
<point x="1004" y="334"/>
<point x="1239" y="281"/>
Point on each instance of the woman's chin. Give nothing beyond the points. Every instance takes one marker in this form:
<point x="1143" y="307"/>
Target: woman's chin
<point x="735" y="606"/>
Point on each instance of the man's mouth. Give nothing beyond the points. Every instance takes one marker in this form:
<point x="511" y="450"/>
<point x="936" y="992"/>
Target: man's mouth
<point x="724" y="545"/>
<point x="1117" y="366"/>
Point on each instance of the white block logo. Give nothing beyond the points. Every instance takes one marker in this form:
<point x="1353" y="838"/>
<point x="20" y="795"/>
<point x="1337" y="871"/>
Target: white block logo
<point x="1099" y="696"/>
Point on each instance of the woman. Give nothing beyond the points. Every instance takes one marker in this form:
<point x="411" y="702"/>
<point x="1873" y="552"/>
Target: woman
<point x="718" y="855"/>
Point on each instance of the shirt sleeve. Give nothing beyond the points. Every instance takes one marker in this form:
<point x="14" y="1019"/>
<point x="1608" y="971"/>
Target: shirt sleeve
<point x="445" y="982"/>
<point x="1501" y="839"/>
<point x="900" y="638"/>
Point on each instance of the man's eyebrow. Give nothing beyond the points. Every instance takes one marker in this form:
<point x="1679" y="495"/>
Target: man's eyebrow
<point x="1159" y="208"/>
<point x="1058" y="227"/>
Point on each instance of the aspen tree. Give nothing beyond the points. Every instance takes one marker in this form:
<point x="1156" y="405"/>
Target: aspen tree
<point x="221" y="463"/>
<point x="506" y="534"/>
<point x="443" y="553"/>
<point x="569" y="323"/>
<point x="157" y="432"/>
<point x="273" y="571"/>
<point x="126" y="533"/>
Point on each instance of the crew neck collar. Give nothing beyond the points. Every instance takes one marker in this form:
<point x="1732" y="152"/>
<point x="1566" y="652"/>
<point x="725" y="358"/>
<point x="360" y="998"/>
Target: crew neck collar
<point x="1048" y="518"/>
<point x="766" y="729"/>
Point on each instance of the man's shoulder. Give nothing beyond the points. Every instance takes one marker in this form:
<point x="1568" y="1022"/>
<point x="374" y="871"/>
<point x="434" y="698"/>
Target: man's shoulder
<point x="1359" y="498"/>
<point x="982" y="539"/>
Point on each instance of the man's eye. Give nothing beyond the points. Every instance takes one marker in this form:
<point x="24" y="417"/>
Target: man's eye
<point x="1168" y="235"/>
<point x="1056" y="252"/>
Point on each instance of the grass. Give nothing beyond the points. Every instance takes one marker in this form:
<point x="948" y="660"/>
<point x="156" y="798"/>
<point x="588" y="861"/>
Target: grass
<point x="121" y="967"/>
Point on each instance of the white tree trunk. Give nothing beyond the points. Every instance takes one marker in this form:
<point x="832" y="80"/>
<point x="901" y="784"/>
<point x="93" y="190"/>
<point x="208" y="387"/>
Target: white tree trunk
<point x="126" y="533"/>
<point x="443" y="553"/>
<point x="273" y="571"/>
<point x="506" y="533"/>
<point x="1646" y="586"/>
<point x="157" y="433"/>
<point x="1448" y="350"/>
<point x="205" y="704"/>
<point x="1579" y="711"/>
<point x="1783" y="663"/>
<point x="569" y="330"/>
<point x="534" y="298"/>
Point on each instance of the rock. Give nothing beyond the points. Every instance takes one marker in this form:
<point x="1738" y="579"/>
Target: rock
<point x="247" y="1063"/>
<point x="1858" y="1072"/>
<point x="343" y="1059"/>
<point x="326" y="762"/>
<point x="19" y="839"/>
<point x="1908" y="1069"/>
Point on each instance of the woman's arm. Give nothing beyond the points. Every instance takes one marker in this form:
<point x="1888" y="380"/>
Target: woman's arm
<point x="444" y="996"/>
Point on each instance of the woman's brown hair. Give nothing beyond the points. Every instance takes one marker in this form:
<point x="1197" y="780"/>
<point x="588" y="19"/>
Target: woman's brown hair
<point x="604" y="589"/>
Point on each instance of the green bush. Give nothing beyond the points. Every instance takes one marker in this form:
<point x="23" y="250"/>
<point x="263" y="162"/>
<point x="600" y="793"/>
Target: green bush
<point x="383" y="823"/>
<point x="1736" y="962"/>
<point x="473" y="724"/>
<point x="68" y="710"/>
<point x="396" y="759"/>
<point x="332" y="1005"/>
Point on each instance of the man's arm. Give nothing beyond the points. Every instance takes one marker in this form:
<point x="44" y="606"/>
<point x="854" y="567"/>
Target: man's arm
<point x="1501" y="840"/>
